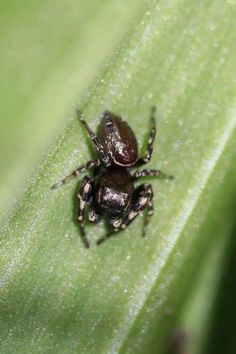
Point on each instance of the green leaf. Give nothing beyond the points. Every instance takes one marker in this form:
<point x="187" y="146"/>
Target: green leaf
<point x="130" y="295"/>
<point x="51" y="51"/>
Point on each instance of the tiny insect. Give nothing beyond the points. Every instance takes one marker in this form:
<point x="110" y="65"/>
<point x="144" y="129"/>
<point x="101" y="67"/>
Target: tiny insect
<point x="110" y="191"/>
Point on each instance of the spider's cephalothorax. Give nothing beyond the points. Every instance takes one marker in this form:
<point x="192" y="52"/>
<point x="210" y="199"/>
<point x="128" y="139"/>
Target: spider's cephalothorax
<point x="111" y="190"/>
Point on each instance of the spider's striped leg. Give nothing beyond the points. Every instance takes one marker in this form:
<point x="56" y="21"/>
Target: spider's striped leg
<point x="152" y="135"/>
<point x="114" y="219"/>
<point x="84" y="198"/>
<point x="142" y="199"/>
<point x="149" y="211"/>
<point x="97" y="143"/>
<point x="77" y="172"/>
<point x="151" y="173"/>
<point x="95" y="214"/>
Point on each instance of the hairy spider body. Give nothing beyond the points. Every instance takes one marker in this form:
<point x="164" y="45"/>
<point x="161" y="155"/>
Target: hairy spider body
<point x="111" y="190"/>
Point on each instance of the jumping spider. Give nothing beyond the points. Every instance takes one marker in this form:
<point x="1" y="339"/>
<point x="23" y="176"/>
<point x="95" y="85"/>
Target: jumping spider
<point x="111" y="190"/>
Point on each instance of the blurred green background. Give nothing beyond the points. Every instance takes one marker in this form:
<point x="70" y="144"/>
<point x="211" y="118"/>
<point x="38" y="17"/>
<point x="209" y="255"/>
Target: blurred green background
<point x="51" y="52"/>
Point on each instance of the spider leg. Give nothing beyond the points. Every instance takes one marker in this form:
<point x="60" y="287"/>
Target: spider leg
<point x="149" y="211"/>
<point x="77" y="172"/>
<point x="152" y="134"/>
<point x="142" y="199"/>
<point x="98" y="145"/>
<point x="113" y="222"/>
<point x="94" y="215"/>
<point x="84" y="198"/>
<point x="152" y="173"/>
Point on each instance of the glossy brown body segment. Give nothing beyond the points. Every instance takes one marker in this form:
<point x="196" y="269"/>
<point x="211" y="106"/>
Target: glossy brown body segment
<point x="113" y="190"/>
<point x="119" y="140"/>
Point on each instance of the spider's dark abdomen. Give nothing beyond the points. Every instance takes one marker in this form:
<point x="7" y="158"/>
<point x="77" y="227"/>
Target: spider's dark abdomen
<point x="119" y="140"/>
<point x="114" y="190"/>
